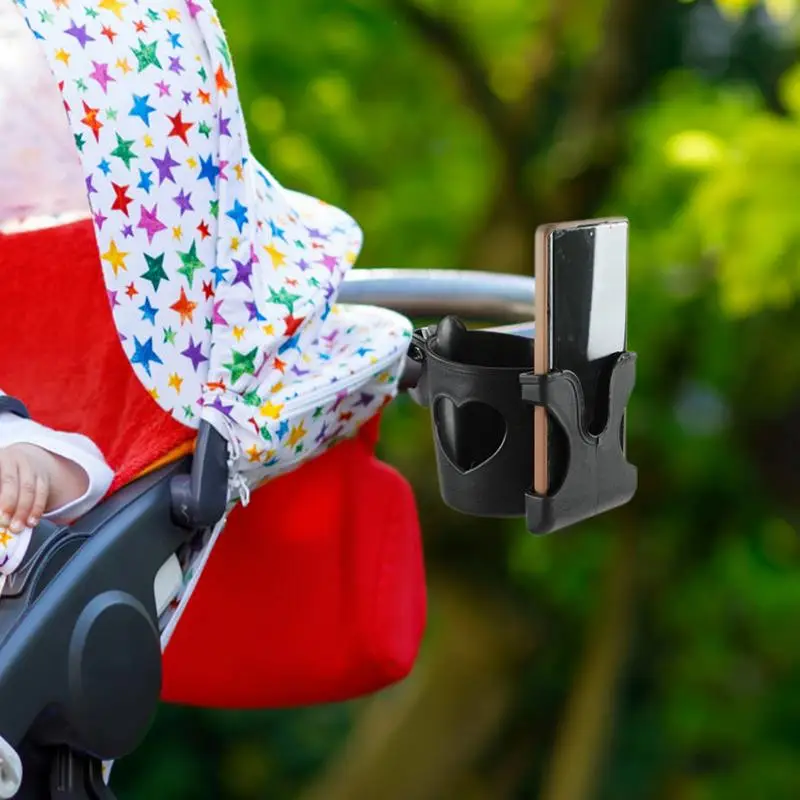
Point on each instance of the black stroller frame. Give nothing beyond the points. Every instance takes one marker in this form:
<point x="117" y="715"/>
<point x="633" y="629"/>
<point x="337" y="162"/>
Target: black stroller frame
<point x="80" y="654"/>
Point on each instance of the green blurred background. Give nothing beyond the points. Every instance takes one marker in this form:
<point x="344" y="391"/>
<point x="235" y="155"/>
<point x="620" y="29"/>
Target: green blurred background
<point x="651" y="653"/>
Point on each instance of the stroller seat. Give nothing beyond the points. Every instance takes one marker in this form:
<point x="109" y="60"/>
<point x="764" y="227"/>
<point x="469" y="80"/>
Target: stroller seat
<point x="312" y="593"/>
<point x="306" y="516"/>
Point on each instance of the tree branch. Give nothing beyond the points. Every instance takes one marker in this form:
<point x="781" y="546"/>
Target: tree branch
<point x="444" y="36"/>
<point x="507" y="122"/>
<point x="542" y="61"/>
<point x="590" y="141"/>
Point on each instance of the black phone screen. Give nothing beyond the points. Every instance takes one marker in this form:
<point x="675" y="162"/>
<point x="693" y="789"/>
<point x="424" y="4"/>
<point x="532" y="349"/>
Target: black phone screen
<point x="588" y="303"/>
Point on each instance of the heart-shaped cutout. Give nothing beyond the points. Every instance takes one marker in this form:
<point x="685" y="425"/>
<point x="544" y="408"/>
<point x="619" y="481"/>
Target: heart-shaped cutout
<point x="469" y="434"/>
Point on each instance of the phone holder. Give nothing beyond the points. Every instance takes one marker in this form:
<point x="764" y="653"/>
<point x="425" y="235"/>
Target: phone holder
<point x="481" y="392"/>
<point x="592" y="473"/>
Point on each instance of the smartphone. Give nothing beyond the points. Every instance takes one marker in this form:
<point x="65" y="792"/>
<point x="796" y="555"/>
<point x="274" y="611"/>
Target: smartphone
<point x="581" y="323"/>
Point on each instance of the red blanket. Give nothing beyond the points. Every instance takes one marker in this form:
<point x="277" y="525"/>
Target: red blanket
<point x="315" y="592"/>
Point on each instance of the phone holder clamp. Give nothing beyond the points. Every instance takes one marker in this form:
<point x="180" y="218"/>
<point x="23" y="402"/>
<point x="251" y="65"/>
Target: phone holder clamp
<point x="596" y="476"/>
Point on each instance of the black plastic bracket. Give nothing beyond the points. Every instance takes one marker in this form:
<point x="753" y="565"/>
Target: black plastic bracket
<point x="199" y="499"/>
<point x="596" y="475"/>
<point x="80" y="656"/>
<point x="80" y="653"/>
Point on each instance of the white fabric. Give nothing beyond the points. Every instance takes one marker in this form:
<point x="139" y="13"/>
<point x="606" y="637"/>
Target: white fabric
<point x="222" y="282"/>
<point x="10" y="770"/>
<point x="71" y="446"/>
<point x="41" y="173"/>
<point x="75" y="448"/>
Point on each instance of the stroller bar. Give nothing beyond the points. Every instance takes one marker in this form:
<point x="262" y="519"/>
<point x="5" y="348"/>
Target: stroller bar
<point x="473" y="295"/>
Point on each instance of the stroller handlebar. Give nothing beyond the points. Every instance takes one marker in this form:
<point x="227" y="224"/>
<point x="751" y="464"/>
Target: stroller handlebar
<point x="475" y="295"/>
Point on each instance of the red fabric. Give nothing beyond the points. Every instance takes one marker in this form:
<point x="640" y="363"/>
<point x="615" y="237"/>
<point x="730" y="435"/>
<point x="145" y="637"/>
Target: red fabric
<point x="323" y="601"/>
<point x="67" y="365"/>
<point x="315" y="592"/>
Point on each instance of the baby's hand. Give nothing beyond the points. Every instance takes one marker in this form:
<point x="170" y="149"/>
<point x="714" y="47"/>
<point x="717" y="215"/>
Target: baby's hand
<point x="26" y="475"/>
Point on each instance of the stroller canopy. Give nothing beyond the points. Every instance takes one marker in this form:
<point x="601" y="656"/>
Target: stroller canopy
<point x="221" y="282"/>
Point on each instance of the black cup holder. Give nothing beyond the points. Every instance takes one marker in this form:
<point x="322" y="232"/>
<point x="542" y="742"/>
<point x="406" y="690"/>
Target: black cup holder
<point x="481" y="393"/>
<point x="483" y="430"/>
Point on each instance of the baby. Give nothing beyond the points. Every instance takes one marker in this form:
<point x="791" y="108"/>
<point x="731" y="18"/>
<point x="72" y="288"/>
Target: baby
<point x="46" y="474"/>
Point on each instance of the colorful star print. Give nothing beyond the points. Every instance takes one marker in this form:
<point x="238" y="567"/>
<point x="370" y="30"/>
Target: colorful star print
<point x="221" y="281"/>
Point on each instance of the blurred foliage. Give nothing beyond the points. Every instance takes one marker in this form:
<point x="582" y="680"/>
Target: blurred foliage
<point x="450" y="129"/>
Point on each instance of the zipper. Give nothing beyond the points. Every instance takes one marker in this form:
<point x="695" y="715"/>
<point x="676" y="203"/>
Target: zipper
<point x="342" y="385"/>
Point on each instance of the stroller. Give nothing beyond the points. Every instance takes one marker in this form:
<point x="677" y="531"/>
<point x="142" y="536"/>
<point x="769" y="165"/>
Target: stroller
<point x="225" y="358"/>
<point x="82" y="621"/>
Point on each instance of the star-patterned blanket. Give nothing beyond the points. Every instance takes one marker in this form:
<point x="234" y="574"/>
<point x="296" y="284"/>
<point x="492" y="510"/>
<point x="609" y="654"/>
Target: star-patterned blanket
<point x="222" y="283"/>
